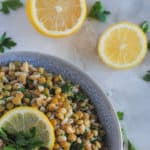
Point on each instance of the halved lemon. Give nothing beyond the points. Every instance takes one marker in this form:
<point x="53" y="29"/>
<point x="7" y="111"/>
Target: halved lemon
<point x="122" y="46"/>
<point x="56" y="18"/>
<point x="22" y="119"/>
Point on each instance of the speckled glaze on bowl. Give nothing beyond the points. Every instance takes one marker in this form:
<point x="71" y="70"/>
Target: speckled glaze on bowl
<point x="104" y="109"/>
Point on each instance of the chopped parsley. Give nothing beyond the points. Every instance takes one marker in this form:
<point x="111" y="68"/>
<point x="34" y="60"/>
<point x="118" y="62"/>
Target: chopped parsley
<point x="98" y="12"/>
<point x="6" y="42"/>
<point x="20" y="140"/>
<point x="7" y="5"/>
<point x="145" y="26"/>
<point x="120" y="115"/>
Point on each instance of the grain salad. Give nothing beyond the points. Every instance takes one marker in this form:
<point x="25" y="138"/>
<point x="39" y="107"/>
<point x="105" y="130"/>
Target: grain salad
<point x="66" y="106"/>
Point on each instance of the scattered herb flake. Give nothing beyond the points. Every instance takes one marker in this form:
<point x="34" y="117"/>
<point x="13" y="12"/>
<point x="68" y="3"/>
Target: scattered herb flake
<point x="8" y="5"/>
<point x="131" y="146"/>
<point x="6" y="42"/>
<point x="145" y="26"/>
<point x="80" y="96"/>
<point x="67" y="88"/>
<point x="120" y="115"/>
<point x="98" y="12"/>
<point x="146" y="77"/>
<point x="148" y="45"/>
<point x="77" y="146"/>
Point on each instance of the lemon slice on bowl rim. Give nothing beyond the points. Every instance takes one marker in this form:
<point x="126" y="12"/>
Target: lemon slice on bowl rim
<point x="22" y="119"/>
<point x="56" y="18"/>
<point x="122" y="46"/>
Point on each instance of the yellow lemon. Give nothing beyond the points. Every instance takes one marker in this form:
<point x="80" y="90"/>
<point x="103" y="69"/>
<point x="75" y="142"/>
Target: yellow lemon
<point x="122" y="46"/>
<point x="56" y="18"/>
<point x="22" y="119"/>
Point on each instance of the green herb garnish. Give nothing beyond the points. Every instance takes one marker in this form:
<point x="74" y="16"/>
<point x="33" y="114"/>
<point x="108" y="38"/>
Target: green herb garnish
<point x="67" y="88"/>
<point x="98" y="12"/>
<point x="8" y="5"/>
<point x="6" y="42"/>
<point x="23" y="90"/>
<point x="145" y="26"/>
<point x="148" y="46"/>
<point x="77" y="146"/>
<point x="127" y="141"/>
<point x="120" y="115"/>
<point x="146" y="77"/>
<point x="80" y="96"/>
<point x="131" y="146"/>
<point x="20" y="140"/>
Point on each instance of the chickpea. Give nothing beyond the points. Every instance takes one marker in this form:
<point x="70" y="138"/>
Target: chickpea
<point x="95" y="132"/>
<point x="42" y="80"/>
<point x="9" y="105"/>
<point x="49" y="82"/>
<point x="1" y="96"/>
<point x="81" y="129"/>
<point x="57" y="91"/>
<point x="98" y="145"/>
<point x="8" y="87"/>
<point x="60" y="132"/>
<point x="41" y="88"/>
<point x="57" y="78"/>
<point x="17" y="100"/>
<point x="88" y="146"/>
<point x="56" y="146"/>
<point x="61" y="138"/>
<point x="52" y="107"/>
<point x="89" y="135"/>
<point x="22" y="78"/>
<point x="2" y="108"/>
<point x="68" y="128"/>
<point x="87" y="123"/>
<point x="41" y="70"/>
<point x="79" y="114"/>
<point x="79" y="122"/>
<point x="48" y="114"/>
<point x="54" y="101"/>
<point x="65" y="145"/>
<point x="26" y="100"/>
<point x="72" y="137"/>
<point x="62" y="110"/>
<point x="60" y="116"/>
<point x="54" y="122"/>
<point x="34" y="105"/>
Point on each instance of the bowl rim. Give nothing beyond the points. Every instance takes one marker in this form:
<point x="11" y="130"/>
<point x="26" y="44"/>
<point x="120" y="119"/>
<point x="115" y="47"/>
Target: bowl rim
<point x="76" y="69"/>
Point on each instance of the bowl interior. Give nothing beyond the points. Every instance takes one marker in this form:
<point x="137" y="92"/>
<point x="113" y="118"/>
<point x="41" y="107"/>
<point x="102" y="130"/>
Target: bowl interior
<point x="104" y="109"/>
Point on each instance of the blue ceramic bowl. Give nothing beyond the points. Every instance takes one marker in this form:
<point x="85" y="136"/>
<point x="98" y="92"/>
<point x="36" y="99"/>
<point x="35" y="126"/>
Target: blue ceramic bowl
<point x="104" y="109"/>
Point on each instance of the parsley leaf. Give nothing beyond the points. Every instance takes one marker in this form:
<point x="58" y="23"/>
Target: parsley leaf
<point x="120" y="115"/>
<point x="21" y="140"/>
<point x="127" y="141"/>
<point x="131" y="146"/>
<point x="145" y="26"/>
<point x="149" y="45"/>
<point x="98" y="12"/>
<point x="8" y="5"/>
<point x="6" y="42"/>
<point x="67" y="88"/>
<point x="146" y="77"/>
<point x="77" y="146"/>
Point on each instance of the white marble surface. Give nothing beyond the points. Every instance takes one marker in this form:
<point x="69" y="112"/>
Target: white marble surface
<point x="125" y="89"/>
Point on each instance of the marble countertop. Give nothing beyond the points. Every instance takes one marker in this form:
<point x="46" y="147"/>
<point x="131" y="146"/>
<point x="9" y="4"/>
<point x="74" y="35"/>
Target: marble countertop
<point x="125" y="89"/>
